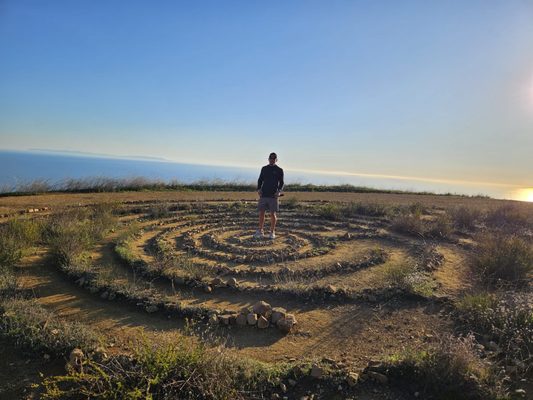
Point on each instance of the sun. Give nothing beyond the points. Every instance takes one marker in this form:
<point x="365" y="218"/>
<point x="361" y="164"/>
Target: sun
<point x="525" y="194"/>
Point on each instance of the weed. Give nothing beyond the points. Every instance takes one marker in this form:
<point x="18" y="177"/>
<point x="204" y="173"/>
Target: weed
<point x="410" y="224"/>
<point x="16" y="237"/>
<point x="503" y="259"/>
<point x="449" y="369"/>
<point x="181" y="369"/>
<point x="465" y="217"/>
<point x="30" y="326"/>
<point x="506" y="319"/>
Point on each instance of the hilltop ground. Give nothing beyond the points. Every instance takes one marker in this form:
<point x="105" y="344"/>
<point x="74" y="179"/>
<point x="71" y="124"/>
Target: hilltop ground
<point x="368" y="277"/>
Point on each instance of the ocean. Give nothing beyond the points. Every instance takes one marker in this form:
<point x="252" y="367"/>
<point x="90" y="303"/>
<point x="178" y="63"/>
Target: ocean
<point x="21" y="167"/>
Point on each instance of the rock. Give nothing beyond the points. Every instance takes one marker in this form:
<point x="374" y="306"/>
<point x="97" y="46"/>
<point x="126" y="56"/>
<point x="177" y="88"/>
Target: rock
<point x="251" y="319"/>
<point x="75" y="362"/>
<point x="277" y="314"/>
<point x="520" y="392"/>
<point x="151" y="309"/>
<point x="81" y="281"/>
<point x="331" y="289"/>
<point x="246" y="310"/>
<point x="376" y="376"/>
<point x="232" y="282"/>
<point x="283" y="387"/>
<point x="317" y="371"/>
<point x="263" y="308"/>
<point x="287" y="323"/>
<point x="493" y="346"/>
<point x="371" y="298"/>
<point x="217" y="282"/>
<point x="352" y="378"/>
<point x="207" y="289"/>
<point x="275" y="396"/>
<point x="213" y="319"/>
<point x="240" y="320"/>
<point x="262" y="323"/>
<point x="224" y="319"/>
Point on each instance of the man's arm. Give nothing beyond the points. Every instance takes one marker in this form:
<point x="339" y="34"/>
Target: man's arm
<point x="260" y="180"/>
<point x="281" y="183"/>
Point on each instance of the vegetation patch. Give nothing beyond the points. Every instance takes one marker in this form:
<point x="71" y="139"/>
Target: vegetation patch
<point x="183" y="370"/>
<point x="503" y="259"/>
<point x="448" y="369"/>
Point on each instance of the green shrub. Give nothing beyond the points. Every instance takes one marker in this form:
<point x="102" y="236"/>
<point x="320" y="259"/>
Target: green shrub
<point x="340" y="211"/>
<point x="290" y="203"/>
<point x="181" y="370"/>
<point x="406" y="276"/>
<point x="16" y="236"/>
<point x="503" y="258"/>
<point x="30" y="326"/>
<point x="71" y="233"/>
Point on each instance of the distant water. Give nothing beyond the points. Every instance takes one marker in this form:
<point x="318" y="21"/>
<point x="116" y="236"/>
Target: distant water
<point x="23" y="167"/>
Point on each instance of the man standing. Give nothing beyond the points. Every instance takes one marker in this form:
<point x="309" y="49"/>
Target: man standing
<point x="269" y="187"/>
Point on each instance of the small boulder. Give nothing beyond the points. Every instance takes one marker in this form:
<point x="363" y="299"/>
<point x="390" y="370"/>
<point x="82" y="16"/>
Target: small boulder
<point x="277" y="314"/>
<point x="224" y="319"/>
<point x="262" y="323"/>
<point x="263" y="308"/>
<point x="317" y="371"/>
<point x="352" y="378"/>
<point x="208" y="289"/>
<point x="378" y="377"/>
<point x="151" y="309"/>
<point x="251" y="319"/>
<point x="232" y="282"/>
<point x="217" y="282"/>
<point x="331" y="289"/>
<point x="240" y="320"/>
<point x="287" y="323"/>
<point x="213" y="319"/>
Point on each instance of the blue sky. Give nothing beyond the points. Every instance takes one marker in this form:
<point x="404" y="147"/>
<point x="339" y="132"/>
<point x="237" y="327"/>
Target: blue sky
<point x="438" y="90"/>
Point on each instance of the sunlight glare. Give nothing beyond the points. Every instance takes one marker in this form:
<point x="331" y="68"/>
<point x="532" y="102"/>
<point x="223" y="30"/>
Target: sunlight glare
<point x="525" y="194"/>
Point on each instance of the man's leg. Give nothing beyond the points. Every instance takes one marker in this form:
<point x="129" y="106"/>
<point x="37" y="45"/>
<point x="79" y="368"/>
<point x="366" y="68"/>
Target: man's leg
<point x="261" y="220"/>
<point x="273" y="219"/>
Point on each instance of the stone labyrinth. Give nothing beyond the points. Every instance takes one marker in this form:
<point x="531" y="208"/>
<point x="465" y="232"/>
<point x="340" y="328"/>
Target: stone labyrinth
<point x="200" y="260"/>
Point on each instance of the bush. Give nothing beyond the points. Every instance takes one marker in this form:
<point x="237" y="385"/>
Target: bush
<point x="508" y="217"/>
<point x="181" y="370"/>
<point x="410" y="224"/>
<point x="448" y="369"/>
<point x="502" y="258"/>
<point x="159" y="210"/>
<point x="16" y="236"/>
<point x="340" y="211"/>
<point x="71" y="233"/>
<point x="465" y="217"/>
<point x="506" y="319"/>
<point x="406" y="276"/>
<point x="440" y="227"/>
<point x="30" y="326"/>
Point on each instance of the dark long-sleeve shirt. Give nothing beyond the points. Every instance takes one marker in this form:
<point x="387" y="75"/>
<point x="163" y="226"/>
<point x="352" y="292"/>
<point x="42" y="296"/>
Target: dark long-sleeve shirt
<point x="270" y="180"/>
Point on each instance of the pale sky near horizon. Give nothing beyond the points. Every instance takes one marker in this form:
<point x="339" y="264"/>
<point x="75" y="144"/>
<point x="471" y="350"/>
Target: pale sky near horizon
<point x="437" y="90"/>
